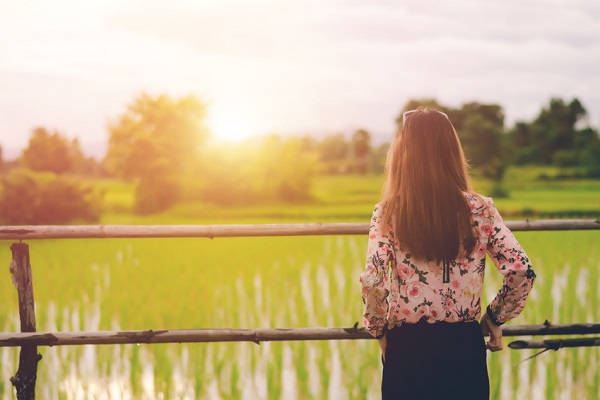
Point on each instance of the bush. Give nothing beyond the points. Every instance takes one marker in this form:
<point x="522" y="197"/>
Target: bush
<point x="34" y="198"/>
<point x="156" y="193"/>
<point x="268" y="170"/>
<point x="566" y="158"/>
<point x="498" y="191"/>
<point x="590" y="160"/>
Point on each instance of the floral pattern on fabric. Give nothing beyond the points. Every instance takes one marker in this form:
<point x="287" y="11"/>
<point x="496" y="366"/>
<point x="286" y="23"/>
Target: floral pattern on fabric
<point x="397" y="288"/>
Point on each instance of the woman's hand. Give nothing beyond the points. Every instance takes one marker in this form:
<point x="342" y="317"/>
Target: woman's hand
<point x="495" y="332"/>
<point x="383" y="346"/>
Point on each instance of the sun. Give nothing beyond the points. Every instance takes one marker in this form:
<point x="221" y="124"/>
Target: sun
<point x="230" y="123"/>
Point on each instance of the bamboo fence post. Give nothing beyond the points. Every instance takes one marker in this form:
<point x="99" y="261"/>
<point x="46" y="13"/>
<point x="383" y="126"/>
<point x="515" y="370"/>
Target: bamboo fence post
<point x="20" y="268"/>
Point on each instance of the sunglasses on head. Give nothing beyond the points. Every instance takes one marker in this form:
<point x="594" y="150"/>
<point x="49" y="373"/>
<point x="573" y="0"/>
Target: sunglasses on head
<point x="406" y="115"/>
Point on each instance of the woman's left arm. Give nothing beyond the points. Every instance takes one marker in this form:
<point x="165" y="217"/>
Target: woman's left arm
<point x="512" y="262"/>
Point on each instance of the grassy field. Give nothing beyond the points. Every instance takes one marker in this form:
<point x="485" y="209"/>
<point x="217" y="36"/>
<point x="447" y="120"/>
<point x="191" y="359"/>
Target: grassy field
<point x="278" y="282"/>
<point x="351" y="199"/>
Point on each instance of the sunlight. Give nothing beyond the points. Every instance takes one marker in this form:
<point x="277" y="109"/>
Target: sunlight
<point x="230" y="123"/>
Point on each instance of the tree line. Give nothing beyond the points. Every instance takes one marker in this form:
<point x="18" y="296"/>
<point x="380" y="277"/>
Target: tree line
<point x="160" y="144"/>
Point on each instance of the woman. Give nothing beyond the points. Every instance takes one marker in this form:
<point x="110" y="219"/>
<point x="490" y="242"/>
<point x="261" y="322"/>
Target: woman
<point x="428" y="241"/>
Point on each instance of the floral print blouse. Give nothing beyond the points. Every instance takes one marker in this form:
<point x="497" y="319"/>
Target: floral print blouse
<point x="396" y="288"/>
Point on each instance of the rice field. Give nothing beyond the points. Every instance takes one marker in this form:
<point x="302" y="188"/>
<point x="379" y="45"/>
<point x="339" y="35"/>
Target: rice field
<point x="266" y="282"/>
<point x="110" y="284"/>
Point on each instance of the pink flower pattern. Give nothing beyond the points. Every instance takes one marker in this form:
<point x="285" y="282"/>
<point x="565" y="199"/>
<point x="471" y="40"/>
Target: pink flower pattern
<point x="415" y="290"/>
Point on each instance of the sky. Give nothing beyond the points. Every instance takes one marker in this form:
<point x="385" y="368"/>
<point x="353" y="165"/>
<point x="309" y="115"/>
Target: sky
<point x="288" y="67"/>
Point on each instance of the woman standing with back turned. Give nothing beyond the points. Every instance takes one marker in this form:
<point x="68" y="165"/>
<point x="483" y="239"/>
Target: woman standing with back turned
<point x="428" y="241"/>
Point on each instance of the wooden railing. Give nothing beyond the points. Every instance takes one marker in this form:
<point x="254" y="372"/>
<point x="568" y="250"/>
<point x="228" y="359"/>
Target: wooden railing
<point x="246" y="335"/>
<point x="28" y="339"/>
<point x="216" y="231"/>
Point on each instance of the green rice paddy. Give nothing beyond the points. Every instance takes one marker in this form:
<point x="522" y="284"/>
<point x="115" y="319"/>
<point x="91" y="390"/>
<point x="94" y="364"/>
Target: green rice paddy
<point x="277" y="282"/>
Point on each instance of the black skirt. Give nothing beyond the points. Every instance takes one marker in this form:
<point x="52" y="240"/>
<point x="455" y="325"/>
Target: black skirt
<point x="435" y="361"/>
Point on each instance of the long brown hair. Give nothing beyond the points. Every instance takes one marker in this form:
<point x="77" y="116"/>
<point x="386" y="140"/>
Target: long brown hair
<point x="423" y="197"/>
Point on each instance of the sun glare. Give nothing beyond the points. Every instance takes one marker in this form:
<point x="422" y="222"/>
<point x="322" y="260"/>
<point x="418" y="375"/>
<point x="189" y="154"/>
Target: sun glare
<point x="230" y="124"/>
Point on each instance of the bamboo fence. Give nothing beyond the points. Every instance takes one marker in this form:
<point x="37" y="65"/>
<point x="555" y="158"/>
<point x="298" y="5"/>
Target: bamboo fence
<point x="28" y="339"/>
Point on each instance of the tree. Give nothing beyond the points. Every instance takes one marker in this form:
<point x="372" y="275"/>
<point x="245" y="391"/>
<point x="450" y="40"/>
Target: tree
<point x="286" y="169"/>
<point x="270" y="169"/>
<point x="334" y="148"/>
<point x="480" y="128"/>
<point x="30" y="198"/>
<point x="378" y="158"/>
<point x="50" y="152"/>
<point x="554" y="136"/>
<point x="361" y="147"/>
<point x="333" y="153"/>
<point x="481" y="131"/>
<point x="83" y="165"/>
<point x="53" y="152"/>
<point x="156" y="142"/>
<point x="2" y="163"/>
<point x="590" y="154"/>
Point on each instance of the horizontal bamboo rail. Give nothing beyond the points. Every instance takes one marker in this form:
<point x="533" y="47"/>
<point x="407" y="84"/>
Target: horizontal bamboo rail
<point x="239" y="230"/>
<point x="245" y="335"/>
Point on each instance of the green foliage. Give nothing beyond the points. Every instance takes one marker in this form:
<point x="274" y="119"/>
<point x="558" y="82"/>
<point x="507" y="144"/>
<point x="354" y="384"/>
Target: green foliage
<point x="334" y="148"/>
<point x="283" y="282"/>
<point x="53" y="152"/>
<point x="266" y="170"/>
<point x="156" y="130"/>
<point x="285" y="168"/>
<point x="566" y="158"/>
<point x="48" y="152"/>
<point x="156" y="193"/>
<point x="156" y="139"/>
<point x="333" y="154"/>
<point x="547" y="192"/>
<point x="31" y="198"/>
<point x="498" y="191"/>
<point x="589" y="154"/>
<point x="378" y="158"/>
<point x="481" y="142"/>
<point x="361" y="147"/>
<point x="559" y="135"/>
<point x="556" y="137"/>
<point x="480" y="128"/>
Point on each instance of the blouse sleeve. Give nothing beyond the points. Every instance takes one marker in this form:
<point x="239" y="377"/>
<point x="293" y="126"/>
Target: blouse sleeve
<point x="512" y="262"/>
<point x="375" y="278"/>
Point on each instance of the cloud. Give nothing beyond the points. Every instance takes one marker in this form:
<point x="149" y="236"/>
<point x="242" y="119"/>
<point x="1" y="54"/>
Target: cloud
<point x="312" y="66"/>
<point x="269" y="28"/>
